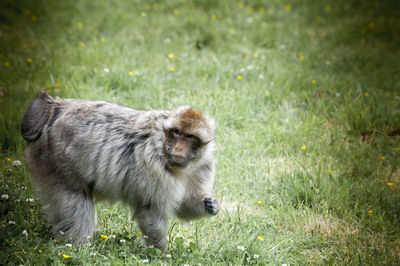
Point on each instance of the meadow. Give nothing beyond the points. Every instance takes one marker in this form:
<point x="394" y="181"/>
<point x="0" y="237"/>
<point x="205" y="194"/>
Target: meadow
<point x="306" y="95"/>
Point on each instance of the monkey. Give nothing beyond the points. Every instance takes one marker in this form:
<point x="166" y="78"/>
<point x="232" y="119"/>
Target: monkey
<point x="158" y="162"/>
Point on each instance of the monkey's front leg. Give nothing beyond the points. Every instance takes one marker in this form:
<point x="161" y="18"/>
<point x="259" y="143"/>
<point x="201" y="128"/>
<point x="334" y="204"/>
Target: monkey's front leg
<point x="153" y="224"/>
<point x="197" y="206"/>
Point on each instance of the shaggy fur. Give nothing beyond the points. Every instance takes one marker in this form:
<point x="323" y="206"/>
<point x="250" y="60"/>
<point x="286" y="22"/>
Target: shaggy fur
<point x="80" y="149"/>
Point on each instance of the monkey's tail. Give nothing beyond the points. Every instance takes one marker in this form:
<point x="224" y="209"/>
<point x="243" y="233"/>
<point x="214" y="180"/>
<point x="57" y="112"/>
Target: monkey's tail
<point x="36" y="116"/>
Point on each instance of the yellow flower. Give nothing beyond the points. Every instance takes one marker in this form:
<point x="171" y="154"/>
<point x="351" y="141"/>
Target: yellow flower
<point x="103" y="236"/>
<point x="176" y="11"/>
<point x="288" y="6"/>
<point x="239" y="77"/>
<point x="259" y="202"/>
<point x="172" y="68"/>
<point x="313" y="81"/>
<point x="6" y="64"/>
<point x="102" y="39"/>
<point x="389" y="184"/>
<point x="260" y="238"/>
<point x="213" y="17"/>
<point x="49" y="86"/>
<point x="382" y="158"/>
<point x="143" y="14"/>
<point x="79" y="25"/>
<point x="250" y="9"/>
<point x="40" y="251"/>
<point x="34" y="18"/>
<point x="130" y="73"/>
<point x="261" y="10"/>
<point x="9" y="159"/>
<point x="66" y="256"/>
<point x="318" y="18"/>
<point x="255" y="55"/>
<point x="231" y="30"/>
<point x="301" y="58"/>
<point x="240" y="5"/>
<point x="397" y="149"/>
<point x="171" y="55"/>
<point x="204" y="79"/>
<point x="27" y="12"/>
<point x="366" y="94"/>
<point x="29" y="60"/>
<point x="370" y="211"/>
<point x="328" y="8"/>
<point x="57" y="83"/>
<point x="82" y="44"/>
<point x="303" y="147"/>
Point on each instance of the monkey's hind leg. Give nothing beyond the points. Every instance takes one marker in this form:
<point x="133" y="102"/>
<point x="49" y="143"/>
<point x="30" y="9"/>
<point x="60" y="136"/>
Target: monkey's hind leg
<point x="153" y="225"/>
<point x="70" y="213"/>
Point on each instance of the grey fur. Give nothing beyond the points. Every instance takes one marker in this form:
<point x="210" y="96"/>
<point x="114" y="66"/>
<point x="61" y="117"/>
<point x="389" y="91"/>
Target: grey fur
<point x="80" y="149"/>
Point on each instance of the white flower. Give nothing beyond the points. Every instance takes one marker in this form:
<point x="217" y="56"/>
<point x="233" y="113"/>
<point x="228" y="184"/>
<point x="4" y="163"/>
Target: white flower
<point x="11" y="222"/>
<point x="61" y="232"/>
<point x="168" y="255"/>
<point x="16" y="163"/>
<point x="151" y="246"/>
<point x="25" y="233"/>
<point x="261" y="76"/>
<point x="112" y="236"/>
<point x="30" y="200"/>
<point x="185" y="264"/>
<point x="23" y="188"/>
<point x="68" y="245"/>
<point x="145" y="237"/>
<point x="284" y="264"/>
<point x="241" y="248"/>
<point x="122" y="241"/>
<point x="249" y="20"/>
<point x="17" y="200"/>
<point x="4" y="197"/>
<point x="107" y="70"/>
<point x="145" y="261"/>
<point x="256" y="256"/>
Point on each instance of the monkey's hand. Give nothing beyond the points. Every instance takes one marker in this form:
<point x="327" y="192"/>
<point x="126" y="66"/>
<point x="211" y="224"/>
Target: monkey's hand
<point x="211" y="205"/>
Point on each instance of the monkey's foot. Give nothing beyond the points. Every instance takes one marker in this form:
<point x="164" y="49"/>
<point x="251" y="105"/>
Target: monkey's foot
<point x="211" y="205"/>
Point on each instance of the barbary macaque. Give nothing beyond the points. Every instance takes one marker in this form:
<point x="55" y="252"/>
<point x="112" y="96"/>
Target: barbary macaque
<point x="160" y="162"/>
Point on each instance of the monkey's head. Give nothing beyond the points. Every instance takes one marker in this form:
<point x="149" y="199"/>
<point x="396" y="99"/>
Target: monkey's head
<point x="188" y="132"/>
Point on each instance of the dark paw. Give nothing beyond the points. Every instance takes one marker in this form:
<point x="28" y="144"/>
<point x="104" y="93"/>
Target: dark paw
<point x="211" y="205"/>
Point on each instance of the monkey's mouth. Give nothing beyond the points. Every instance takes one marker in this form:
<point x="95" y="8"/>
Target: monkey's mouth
<point x="177" y="161"/>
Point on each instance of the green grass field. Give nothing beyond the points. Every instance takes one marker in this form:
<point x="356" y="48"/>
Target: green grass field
<point x="307" y="99"/>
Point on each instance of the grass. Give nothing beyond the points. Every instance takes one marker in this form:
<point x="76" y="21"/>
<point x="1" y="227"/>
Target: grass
<point x="306" y="96"/>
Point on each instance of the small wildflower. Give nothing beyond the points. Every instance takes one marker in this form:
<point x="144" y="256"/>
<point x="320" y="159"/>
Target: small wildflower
<point x="389" y="184"/>
<point x="29" y="60"/>
<point x="57" y="83"/>
<point x="250" y="9"/>
<point x="370" y="211"/>
<point x="261" y="10"/>
<point x="34" y="18"/>
<point x="318" y="19"/>
<point x="11" y="222"/>
<point x="68" y="245"/>
<point x="25" y="233"/>
<point x="213" y="17"/>
<point x="107" y="70"/>
<point x="240" y="5"/>
<point x="30" y="200"/>
<point x="103" y="236"/>
<point x="40" y="251"/>
<point x="6" y="64"/>
<point x="122" y="241"/>
<point x="9" y="159"/>
<point x="79" y="25"/>
<point x="27" y="12"/>
<point x="231" y="30"/>
<point x="61" y="232"/>
<point x="204" y="78"/>
<point x="168" y="256"/>
<point x="81" y="44"/>
<point x="130" y="73"/>
<point x="301" y="58"/>
<point x="366" y="94"/>
<point x="382" y="158"/>
<point x="172" y="68"/>
<point x="241" y="248"/>
<point x="259" y="202"/>
<point x="303" y="147"/>
<point x="328" y="8"/>
<point x="255" y="55"/>
<point x="260" y="238"/>
<point x="143" y="14"/>
<point x="171" y="56"/>
<point x="145" y="261"/>
<point x="239" y="77"/>
<point x="288" y="6"/>
<point x="4" y="197"/>
<point x="102" y="39"/>
<point x="112" y="236"/>
<point x="256" y="256"/>
<point x="65" y="256"/>
<point x="397" y="148"/>
<point x="176" y="12"/>
<point x="92" y="254"/>
<point x="313" y="81"/>
<point x="16" y="163"/>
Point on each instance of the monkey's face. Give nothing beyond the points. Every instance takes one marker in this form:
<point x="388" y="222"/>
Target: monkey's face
<point x="181" y="148"/>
